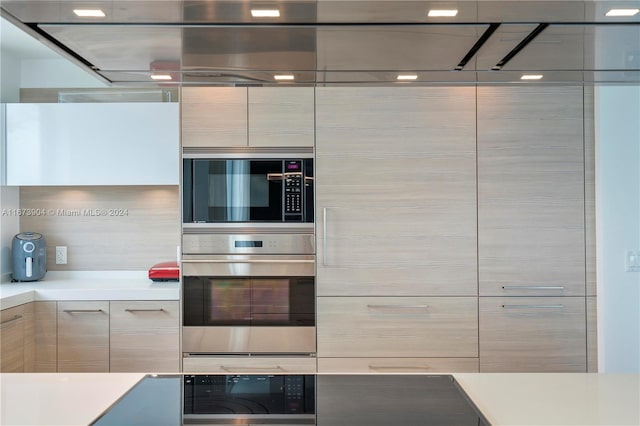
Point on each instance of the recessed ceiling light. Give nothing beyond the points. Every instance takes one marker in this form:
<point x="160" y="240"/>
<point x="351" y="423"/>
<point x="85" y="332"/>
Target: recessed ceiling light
<point x="622" y="12"/>
<point x="407" y="77"/>
<point x="265" y="13"/>
<point x="442" y="12"/>
<point x="89" y="13"/>
<point x="284" y="77"/>
<point x="531" y="77"/>
<point x="161" y="77"/>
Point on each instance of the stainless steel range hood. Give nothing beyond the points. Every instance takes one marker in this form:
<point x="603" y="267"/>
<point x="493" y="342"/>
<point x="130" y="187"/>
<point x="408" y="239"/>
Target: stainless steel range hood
<point x="340" y="42"/>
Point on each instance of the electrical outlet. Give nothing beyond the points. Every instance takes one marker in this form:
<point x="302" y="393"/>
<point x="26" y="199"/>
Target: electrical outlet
<point x="61" y="255"/>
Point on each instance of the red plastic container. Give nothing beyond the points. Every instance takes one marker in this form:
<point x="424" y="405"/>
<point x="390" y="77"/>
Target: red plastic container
<point x="165" y="271"/>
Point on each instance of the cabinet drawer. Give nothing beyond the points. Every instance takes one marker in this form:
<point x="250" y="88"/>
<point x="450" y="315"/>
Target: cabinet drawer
<point x="83" y="336"/>
<point x="145" y="336"/>
<point x="249" y="365"/>
<point x="532" y="334"/>
<point x="397" y="326"/>
<point x="397" y="365"/>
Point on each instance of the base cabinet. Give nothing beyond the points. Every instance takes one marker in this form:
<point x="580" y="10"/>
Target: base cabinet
<point x="144" y="336"/>
<point x="532" y="334"/>
<point x="16" y="352"/>
<point x="389" y="326"/>
<point x="46" y="334"/>
<point x="83" y="336"/>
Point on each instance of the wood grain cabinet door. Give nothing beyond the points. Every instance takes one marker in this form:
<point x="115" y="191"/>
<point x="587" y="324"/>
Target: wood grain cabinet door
<point x="531" y="209"/>
<point x="533" y="334"/>
<point x="396" y="191"/>
<point x="46" y="332"/>
<point x="83" y="336"/>
<point x="12" y="340"/>
<point x="397" y="326"/>
<point x="281" y="116"/>
<point x="145" y="336"/>
<point x="214" y="117"/>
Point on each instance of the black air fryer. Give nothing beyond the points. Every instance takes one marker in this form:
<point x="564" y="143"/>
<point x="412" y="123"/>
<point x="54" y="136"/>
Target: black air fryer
<point x="29" y="251"/>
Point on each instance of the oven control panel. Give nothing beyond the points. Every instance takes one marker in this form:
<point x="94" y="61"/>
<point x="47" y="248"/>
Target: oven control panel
<point x="293" y="186"/>
<point x="294" y="394"/>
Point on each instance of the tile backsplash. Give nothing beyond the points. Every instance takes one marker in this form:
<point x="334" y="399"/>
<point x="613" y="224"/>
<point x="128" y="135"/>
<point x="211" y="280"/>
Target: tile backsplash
<point x="104" y="227"/>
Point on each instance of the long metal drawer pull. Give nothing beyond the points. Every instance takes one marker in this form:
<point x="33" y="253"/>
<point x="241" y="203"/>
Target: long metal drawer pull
<point x="247" y="261"/>
<point x="534" y="306"/>
<point x="399" y="367"/>
<point x="324" y="236"/>
<point x="533" y="287"/>
<point x="398" y="306"/>
<point x="240" y="368"/>
<point x="144" y="310"/>
<point x="16" y="317"/>
<point x="71" y="311"/>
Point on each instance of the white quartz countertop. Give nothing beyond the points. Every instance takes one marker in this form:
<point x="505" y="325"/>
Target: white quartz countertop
<point x="546" y="399"/>
<point x="88" y="285"/>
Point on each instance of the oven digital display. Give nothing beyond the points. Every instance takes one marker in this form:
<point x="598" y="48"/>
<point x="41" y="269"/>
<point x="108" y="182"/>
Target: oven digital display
<point x="243" y="244"/>
<point x="294" y="165"/>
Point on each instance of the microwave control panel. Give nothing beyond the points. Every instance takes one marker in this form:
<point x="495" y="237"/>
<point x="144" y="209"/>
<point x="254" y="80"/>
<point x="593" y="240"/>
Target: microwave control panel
<point x="293" y="187"/>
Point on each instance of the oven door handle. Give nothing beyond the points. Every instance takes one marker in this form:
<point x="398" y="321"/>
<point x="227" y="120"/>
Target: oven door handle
<point x="248" y="261"/>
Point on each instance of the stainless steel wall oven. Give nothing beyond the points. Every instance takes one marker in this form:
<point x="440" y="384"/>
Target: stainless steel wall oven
<point x="253" y="296"/>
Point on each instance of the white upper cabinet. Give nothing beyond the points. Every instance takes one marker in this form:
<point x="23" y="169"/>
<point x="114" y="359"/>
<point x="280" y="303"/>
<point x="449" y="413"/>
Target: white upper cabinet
<point x="92" y="144"/>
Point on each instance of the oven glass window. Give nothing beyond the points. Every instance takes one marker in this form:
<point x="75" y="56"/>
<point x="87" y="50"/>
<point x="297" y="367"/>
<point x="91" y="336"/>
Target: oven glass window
<point x="264" y="301"/>
<point x="237" y="190"/>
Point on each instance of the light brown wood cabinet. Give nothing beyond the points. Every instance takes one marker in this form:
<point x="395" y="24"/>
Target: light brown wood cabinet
<point x="396" y="191"/>
<point x="532" y="334"/>
<point x="144" y="336"/>
<point x="214" y="116"/>
<point x="415" y="327"/>
<point x="232" y="117"/>
<point x="396" y="214"/>
<point x="17" y="339"/>
<point x="531" y="229"/>
<point x="83" y="336"/>
<point x="281" y="116"/>
<point x="531" y="183"/>
<point x="46" y="336"/>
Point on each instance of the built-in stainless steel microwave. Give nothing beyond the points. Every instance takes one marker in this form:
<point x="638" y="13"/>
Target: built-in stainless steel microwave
<point x="224" y="190"/>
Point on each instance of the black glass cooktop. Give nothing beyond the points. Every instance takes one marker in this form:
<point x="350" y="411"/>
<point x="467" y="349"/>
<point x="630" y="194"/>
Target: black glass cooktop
<point x="324" y="400"/>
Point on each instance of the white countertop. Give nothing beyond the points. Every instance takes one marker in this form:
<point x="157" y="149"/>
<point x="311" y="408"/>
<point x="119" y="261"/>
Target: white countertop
<point x="88" y="285"/>
<point x="60" y="398"/>
<point x="548" y="399"/>
<point x="555" y="398"/>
